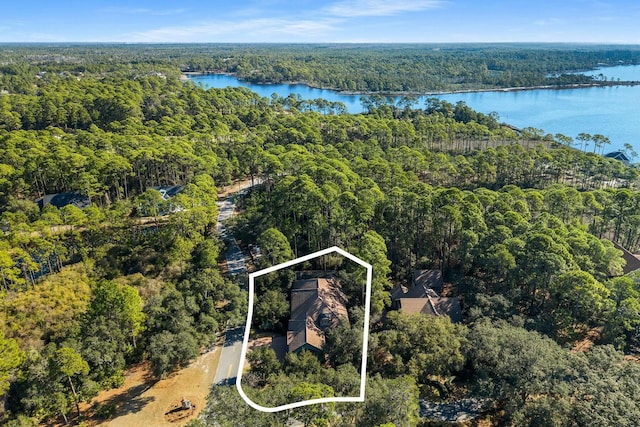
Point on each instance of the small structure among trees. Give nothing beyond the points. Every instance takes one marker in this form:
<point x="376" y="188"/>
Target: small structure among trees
<point x="428" y="279"/>
<point x="168" y="191"/>
<point x="632" y="261"/>
<point x="61" y="200"/>
<point x="422" y="297"/>
<point x="317" y="305"/>
<point x="620" y="156"/>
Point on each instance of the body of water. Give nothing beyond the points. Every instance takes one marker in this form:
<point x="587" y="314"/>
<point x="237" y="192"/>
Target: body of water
<point x="622" y="72"/>
<point x="613" y="111"/>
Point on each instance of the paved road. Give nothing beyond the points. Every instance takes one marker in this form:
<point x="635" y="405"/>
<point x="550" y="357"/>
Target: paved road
<point x="230" y="357"/>
<point x="236" y="260"/>
<point x="236" y="264"/>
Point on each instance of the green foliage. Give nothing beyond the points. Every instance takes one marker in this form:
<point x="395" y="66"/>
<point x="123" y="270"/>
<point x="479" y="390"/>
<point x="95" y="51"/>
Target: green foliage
<point x="264" y="362"/>
<point x="225" y="408"/>
<point x="10" y="358"/>
<point x="373" y="250"/>
<point x="169" y="351"/>
<point x="70" y="362"/>
<point x="50" y="311"/>
<point x="605" y="389"/>
<point x="304" y="362"/>
<point x="513" y="365"/>
<point x="410" y="68"/>
<point x="622" y="326"/>
<point x="580" y="299"/>
<point x="320" y="415"/>
<point x="516" y="221"/>
<point x="53" y="380"/>
<point x="271" y="308"/>
<point x="275" y="247"/>
<point x="343" y="343"/>
<point x="114" y="321"/>
<point x="206" y="254"/>
<point x="597" y="387"/>
<point x="420" y="346"/>
<point x="121" y="302"/>
<point x="392" y="401"/>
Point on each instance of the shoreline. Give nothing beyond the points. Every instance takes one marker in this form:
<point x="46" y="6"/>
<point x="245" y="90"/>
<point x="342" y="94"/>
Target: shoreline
<point x="186" y="75"/>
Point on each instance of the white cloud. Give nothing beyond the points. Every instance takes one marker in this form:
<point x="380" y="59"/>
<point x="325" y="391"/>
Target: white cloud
<point x="142" y="11"/>
<point x="168" y="12"/>
<point x="252" y="29"/>
<point x="547" y="22"/>
<point x="354" y="8"/>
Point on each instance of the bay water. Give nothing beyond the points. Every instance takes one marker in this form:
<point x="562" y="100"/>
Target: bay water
<point x="613" y="111"/>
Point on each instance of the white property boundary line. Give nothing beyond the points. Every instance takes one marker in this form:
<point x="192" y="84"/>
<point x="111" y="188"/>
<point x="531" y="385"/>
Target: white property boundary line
<point x="365" y="335"/>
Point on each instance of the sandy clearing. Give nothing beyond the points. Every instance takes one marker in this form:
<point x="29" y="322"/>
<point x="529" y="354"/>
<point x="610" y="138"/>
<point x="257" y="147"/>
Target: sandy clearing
<point x="142" y="401"/>
<point x="228" y="190"/>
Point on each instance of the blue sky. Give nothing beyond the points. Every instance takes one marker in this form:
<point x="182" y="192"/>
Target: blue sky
<point x="386" y="21"/>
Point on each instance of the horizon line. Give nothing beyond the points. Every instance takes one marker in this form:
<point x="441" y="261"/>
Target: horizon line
<point x="85" y="43"/>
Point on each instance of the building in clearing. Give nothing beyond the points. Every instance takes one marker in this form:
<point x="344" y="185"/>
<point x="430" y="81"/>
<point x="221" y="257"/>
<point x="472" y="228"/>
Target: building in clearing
<point x="317" y="305"/>
<point x="422" y="297"/>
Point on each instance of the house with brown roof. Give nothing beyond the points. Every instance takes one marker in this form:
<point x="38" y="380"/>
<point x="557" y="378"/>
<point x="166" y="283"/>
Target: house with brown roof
<point x="433" y="306"/>
<point x="317" y="305"/>
<point x="431" y="279"/>
<point x="422" y="297"/>
<point x="632" y="261"/>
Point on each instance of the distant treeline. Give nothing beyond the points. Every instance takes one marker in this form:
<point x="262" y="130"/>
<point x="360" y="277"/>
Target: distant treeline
<point x="347" y="67"/>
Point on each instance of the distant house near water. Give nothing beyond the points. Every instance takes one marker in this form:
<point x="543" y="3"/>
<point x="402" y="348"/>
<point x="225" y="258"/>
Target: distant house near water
<point x="61" y="200"/>
<point x="620" y="156"/>
<point x="422" y="297"/>
<point x="317" y="304"/>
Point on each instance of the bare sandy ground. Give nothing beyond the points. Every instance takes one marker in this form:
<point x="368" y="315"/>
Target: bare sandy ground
<point x="227" y="190"/>
<point x="142" y="401"/>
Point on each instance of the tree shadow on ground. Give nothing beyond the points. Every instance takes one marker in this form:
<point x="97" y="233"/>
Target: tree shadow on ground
<point x="128" y="401"/>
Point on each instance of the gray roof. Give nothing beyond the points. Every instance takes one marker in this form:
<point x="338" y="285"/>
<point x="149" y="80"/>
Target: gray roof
<point x="60" y="200"/>
<point x="428" y="279"/>
<point x="424" y="283"/>
<point x="423" y="298"/>
<point x="618" y="155"/>
<point x="168" y="191"/>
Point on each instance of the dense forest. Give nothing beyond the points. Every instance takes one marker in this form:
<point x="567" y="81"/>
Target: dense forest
<point x="521" y="223"/>
<point x="416" y="68"/>
<point x="392" y="68"/>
